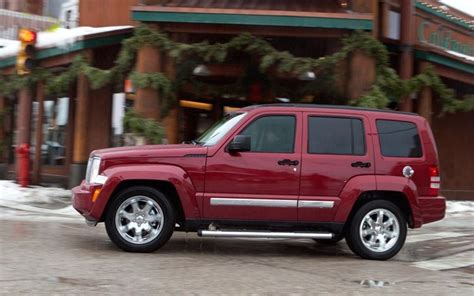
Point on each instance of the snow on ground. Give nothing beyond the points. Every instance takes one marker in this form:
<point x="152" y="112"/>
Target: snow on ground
<point x="46" y="203"/>
<point x="35" y="203"/>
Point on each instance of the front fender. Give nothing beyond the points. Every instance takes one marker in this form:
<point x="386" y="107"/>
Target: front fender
<point x="153" y="172"/>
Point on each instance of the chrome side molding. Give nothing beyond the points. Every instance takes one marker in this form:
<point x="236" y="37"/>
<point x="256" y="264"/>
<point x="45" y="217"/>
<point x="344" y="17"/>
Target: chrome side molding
<point x="326" y="204"/>
<point x="250" y="202"/>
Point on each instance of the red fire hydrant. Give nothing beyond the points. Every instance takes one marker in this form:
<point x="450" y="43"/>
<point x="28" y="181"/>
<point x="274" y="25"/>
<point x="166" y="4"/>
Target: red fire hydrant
<point x="23" y="158"/>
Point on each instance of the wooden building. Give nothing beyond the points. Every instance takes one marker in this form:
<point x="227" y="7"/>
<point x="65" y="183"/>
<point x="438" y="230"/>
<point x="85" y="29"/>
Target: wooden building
<point x="419" y="34"/>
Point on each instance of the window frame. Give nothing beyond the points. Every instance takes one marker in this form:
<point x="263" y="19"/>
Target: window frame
<point x="336" y="117"/>
<point x="404" y="121"/>
<point x="269" y="115"/>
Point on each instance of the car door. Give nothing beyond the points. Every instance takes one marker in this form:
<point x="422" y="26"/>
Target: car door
<point x="261" y="184"/>
<point x="337" y="148"/>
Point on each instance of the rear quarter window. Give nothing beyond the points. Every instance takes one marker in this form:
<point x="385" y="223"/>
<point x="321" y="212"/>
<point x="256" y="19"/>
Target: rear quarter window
<point x="399" y="139"/>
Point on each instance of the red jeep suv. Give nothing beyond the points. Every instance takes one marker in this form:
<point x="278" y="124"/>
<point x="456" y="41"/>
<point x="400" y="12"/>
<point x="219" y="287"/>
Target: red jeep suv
<point x="275" y="171"/>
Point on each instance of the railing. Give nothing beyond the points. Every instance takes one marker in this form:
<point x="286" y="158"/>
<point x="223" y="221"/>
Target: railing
<point x="11" y="20"/>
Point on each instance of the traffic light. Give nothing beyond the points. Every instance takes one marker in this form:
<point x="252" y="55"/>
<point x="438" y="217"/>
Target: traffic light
<point x="25" y="60"/>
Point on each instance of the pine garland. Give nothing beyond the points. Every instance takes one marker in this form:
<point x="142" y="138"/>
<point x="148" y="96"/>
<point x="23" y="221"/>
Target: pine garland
<point x="387" y="87"/>
<point x="148" y="128"/>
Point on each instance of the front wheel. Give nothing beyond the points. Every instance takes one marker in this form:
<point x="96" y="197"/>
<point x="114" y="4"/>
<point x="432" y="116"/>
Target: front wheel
<point x="377" y="231"/>
<point x="140" y="219"/>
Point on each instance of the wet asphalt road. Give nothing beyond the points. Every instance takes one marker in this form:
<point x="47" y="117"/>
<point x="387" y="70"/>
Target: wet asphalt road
<point x="66" y="257"/>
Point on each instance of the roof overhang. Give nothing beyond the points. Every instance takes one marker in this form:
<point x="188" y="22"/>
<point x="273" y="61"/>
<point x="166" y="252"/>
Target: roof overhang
<point x="160" y="14"/>
<point x="88" y="42"/>
<point x="443" y="60"/>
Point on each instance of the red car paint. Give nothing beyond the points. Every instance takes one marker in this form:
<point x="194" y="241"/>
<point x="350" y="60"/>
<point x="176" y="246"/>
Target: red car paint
<point x="199" y="173"/>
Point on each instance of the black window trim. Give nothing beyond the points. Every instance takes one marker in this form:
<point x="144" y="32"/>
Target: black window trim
<point x="404" y="121"/>
<point x="352" y="138"/>
<point x="252" y="120"/>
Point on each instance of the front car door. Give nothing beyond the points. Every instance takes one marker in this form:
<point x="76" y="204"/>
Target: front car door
<point x="261" y="184"/>
<point x="337" y="149"/>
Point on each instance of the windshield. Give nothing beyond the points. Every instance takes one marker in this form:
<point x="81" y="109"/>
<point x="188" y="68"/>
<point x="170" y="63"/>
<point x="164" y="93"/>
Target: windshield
<point x="219" y="129"/>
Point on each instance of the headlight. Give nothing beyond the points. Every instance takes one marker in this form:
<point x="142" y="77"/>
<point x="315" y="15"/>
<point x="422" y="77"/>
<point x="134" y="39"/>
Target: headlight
<point x="92" y="169"/>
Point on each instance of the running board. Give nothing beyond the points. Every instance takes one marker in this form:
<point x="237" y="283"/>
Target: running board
<point x="265" y="234"/>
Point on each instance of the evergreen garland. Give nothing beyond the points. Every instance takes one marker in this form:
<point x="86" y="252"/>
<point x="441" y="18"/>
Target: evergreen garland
<point x="148" y="128"/>
<point x="388" y="84"/>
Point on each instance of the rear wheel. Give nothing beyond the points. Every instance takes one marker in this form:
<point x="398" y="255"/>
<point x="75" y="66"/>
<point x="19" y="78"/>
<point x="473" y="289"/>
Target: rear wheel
<point x="140" y="219"/>
<point x="377" y="231"/>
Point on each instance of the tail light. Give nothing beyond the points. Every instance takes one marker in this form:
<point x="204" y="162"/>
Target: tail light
<point x="435" y="180"/>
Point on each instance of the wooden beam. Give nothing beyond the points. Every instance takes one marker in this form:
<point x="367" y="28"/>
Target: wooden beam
<point x="255" y="30"/>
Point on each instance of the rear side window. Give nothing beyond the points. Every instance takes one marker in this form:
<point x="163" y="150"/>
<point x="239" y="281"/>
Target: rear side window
<point x="399" y="138"/>
<point x="336" y="135"/>
<point x="274" y="134"/>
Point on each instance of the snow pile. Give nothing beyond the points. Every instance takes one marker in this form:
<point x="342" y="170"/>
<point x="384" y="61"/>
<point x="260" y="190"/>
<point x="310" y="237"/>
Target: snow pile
<point x="459" y="206"/>
<point x="60" y="37"/>
<point x="35" y="203"/>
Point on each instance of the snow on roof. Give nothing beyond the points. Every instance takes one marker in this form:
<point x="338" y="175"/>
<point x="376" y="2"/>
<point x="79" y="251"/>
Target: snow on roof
<point x="60" y="37"/>
<point x="460" y="55"/>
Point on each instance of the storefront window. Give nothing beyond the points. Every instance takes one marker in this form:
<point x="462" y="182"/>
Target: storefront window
<point x="54" y="127"/>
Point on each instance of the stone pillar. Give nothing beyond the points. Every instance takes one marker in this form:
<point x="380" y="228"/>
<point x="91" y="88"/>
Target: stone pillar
<point x="170" y="122"/>
<point x="361" y="74"/>
<point x="23" y="120"/>
<point x="406" y="40"/>
<point x="80" y="154"/>
<point x="3" y="145"/>
<point x="100" y="113"/>
<point x="146" y="100"/>
<point x="3" y="108"/>
<point x="35" y="178"/>
<point x="425" y="101"/>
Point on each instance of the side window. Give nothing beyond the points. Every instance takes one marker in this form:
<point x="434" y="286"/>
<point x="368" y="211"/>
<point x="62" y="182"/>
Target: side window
<point x="336" y="135"/>
<point x="399" y="138"/>
<point x="275" y="134"/>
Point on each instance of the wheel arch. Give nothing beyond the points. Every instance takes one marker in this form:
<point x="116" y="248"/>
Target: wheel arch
<point x="165" y="187"/>
<point x="396" y="197"/>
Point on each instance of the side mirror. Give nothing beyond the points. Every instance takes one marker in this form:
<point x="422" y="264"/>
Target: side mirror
<point x="240" y="143"/>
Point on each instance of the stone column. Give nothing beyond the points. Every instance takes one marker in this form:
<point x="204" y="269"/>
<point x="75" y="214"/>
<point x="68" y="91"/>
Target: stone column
<point x="23" y="120"/>
<point x="170" y="122"/>
<point x="3" y="162"/>
<point x="35" y="178"/>
<point x="146" y="100"/>
<point x="406" y="40"/>
<point x="361" y="74"/>
<point x="425" y="101"/>
<point x="80" y="154"/>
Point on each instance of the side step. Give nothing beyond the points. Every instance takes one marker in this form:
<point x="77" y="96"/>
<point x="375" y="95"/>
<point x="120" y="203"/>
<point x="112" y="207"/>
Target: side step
<point x="265" y="234"/>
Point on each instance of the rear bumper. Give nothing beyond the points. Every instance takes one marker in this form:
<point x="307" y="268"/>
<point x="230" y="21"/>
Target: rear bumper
<point x="433" y="208"/>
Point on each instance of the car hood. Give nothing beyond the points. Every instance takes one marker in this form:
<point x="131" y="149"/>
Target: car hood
<point x="150" y="151"/>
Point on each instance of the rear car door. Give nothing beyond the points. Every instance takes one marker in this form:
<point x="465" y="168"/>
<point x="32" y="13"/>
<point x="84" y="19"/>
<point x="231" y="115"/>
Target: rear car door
<point x="261" y="184"/>
<point x="337" y="148"/>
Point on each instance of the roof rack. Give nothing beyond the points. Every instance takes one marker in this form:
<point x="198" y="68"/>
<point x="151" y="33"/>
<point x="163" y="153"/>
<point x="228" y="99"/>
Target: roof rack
<point x="338" y="107"/>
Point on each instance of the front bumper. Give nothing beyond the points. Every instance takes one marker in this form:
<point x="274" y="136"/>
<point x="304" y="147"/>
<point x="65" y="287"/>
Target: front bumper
<point x="433" y="208"/>
<point x="82" y="202"/>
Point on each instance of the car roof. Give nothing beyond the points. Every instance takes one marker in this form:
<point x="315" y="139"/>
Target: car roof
<point x="333" y="107"/>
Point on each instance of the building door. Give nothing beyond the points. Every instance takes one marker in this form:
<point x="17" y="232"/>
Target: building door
<point x="261" y="184"/>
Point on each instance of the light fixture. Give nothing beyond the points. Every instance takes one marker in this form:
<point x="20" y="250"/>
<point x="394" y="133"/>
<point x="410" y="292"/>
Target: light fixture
<point x="201" y="70"/>
<point x="307" y="76"/>
<point x="344" y="3"/>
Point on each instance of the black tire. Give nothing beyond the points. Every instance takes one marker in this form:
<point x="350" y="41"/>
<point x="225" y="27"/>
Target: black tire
<point x="167" y="225"/>
<point x="353" y="236"/>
